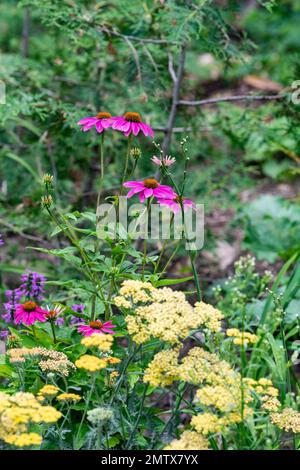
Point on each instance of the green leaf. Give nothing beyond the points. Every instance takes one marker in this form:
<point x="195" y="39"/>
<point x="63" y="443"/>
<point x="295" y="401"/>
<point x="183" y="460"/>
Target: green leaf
<point x="173" y="282"/>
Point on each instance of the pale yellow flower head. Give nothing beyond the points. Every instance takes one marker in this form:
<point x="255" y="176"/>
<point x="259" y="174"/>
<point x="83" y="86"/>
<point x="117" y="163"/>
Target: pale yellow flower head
<point x="67" y="397"/>
<point x="163" y="369"/>
<point x="90" y="363"/>
<point x="288" y="420"/>
<point x="189" y="440"/>
<point x="49" y="390"/>
<point x="102" y="342"/>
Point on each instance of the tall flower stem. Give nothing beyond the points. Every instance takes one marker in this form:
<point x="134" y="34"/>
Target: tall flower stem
<point x="133" y="432"/>
<point x="146" y="237"/>
<point x="101" y="170"/>
<point x="85" y="411"/>
<point x="53" y="332"/>
<point x="192" y="254"/>
<point x="129" y="142"/>
<point x="163" y="248"/>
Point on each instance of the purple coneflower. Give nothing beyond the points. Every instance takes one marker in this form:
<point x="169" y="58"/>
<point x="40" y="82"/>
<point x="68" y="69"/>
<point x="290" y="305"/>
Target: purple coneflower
<point x="96" y="327"/>
<point x="1" y="240"/>
<point x="102" y="121"/>
<point x="29" y="312"/>
<point x="174" y="204"/>
<point x="149" y="187"/>
<point x="131" y="123"/>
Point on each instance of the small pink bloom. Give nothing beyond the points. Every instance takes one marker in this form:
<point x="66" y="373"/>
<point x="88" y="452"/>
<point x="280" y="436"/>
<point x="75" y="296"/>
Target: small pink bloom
<point x="166" y="161"/>
<point x="131" y="123"/>
<point x="96" y="327"/>
<point x="174" y="204"/>
<point x="102" y="121"/>
<point x="149" y="187"/>
<point x="28" y="313"/>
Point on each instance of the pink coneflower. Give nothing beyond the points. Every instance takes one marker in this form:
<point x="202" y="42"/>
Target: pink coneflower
<point x="102" y="121"/>
<point x="166" y="161"/>
<point x="174" y="203"/>
<point x="131" y="123"/>
<point x="149" y="187"/>
<point x="96" y="327"/>
<point x="29" y="312"/>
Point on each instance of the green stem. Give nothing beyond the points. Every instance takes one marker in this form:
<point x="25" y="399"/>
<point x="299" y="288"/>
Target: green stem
<point x="195" y="274"/>
<point x="133" y="432"/>
<point x="126" y="163"/>
<point x="85" y="411"/>
<point x="53" y="331"/>
<point x="146" y="237"/>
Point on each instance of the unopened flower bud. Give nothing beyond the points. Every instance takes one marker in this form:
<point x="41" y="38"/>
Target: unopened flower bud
<point x="46" y="201"/>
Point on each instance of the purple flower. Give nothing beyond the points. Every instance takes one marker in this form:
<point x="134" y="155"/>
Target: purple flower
<point x="1" y="240"/>
<point x="101" y="122"/>
<point x="33" y="285"/>
<point x="77" y="308"/>
<point x="131" y="123"/>
<point x="4" y="334"/>
<point x="13" y="297"/>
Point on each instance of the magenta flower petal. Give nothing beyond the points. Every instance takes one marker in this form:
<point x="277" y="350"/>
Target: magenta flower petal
<point x="99" y="126"/>
<point x="28" y="313"/>
<point x="101" y="121"/>
<point x="134" y="191"/>
<point x="142" y="197"/>
<point x="96" y="327"/>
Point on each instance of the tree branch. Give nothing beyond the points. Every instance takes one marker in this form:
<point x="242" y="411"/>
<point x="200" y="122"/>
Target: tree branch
<point x="175" y="101"/>
<point x="110" y="32"/>
<point x="232" y="98"/>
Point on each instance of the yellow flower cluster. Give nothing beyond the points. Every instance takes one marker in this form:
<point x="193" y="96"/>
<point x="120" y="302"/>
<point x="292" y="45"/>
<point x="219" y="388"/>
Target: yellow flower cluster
<point x="101" y="342"/>
<point x="161" y="313"/>
<point x="133" y="293"/>
<point x="189" y="440"/>
<point x="163" y="369"/>
<point x="241" y="337"/>
<point x="50" y="360"/>
<point x="24" y="439"/>
<point x="48" y="390"/>
<point x="261" y="387"/>
<point x="209" y="316"/>
<point x="200" y="366"/>
<point x="288" y="420"/>
<point x="17" y="412"/>
<point x="68" y="397"/>
<point x="270" y="403"/>
<point x="90" y="363"/>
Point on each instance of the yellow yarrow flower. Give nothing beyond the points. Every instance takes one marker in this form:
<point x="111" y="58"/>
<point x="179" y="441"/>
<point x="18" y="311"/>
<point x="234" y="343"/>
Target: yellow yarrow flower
<point x="68" y="397"/>
<point x="288" y="420"/>
<point x="163" y="313"/>
<point x="102" y="342"/>
<point x="163" y="369"/>
<point x="49" y="390"/>
<point x="189" y="440"/>
<point x="24" y="439"/>
<point x="209" y="316"/>
<point x="18" y="412"/>
<point x="241" y="337"/>
<point x="90" y="363"/>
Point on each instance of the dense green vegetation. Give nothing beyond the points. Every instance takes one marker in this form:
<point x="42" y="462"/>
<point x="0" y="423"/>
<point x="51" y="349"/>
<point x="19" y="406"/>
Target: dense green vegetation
<point x="217" y="82"/>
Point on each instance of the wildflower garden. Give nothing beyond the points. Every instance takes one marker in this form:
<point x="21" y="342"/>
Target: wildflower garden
<point x="149" y="225"/>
